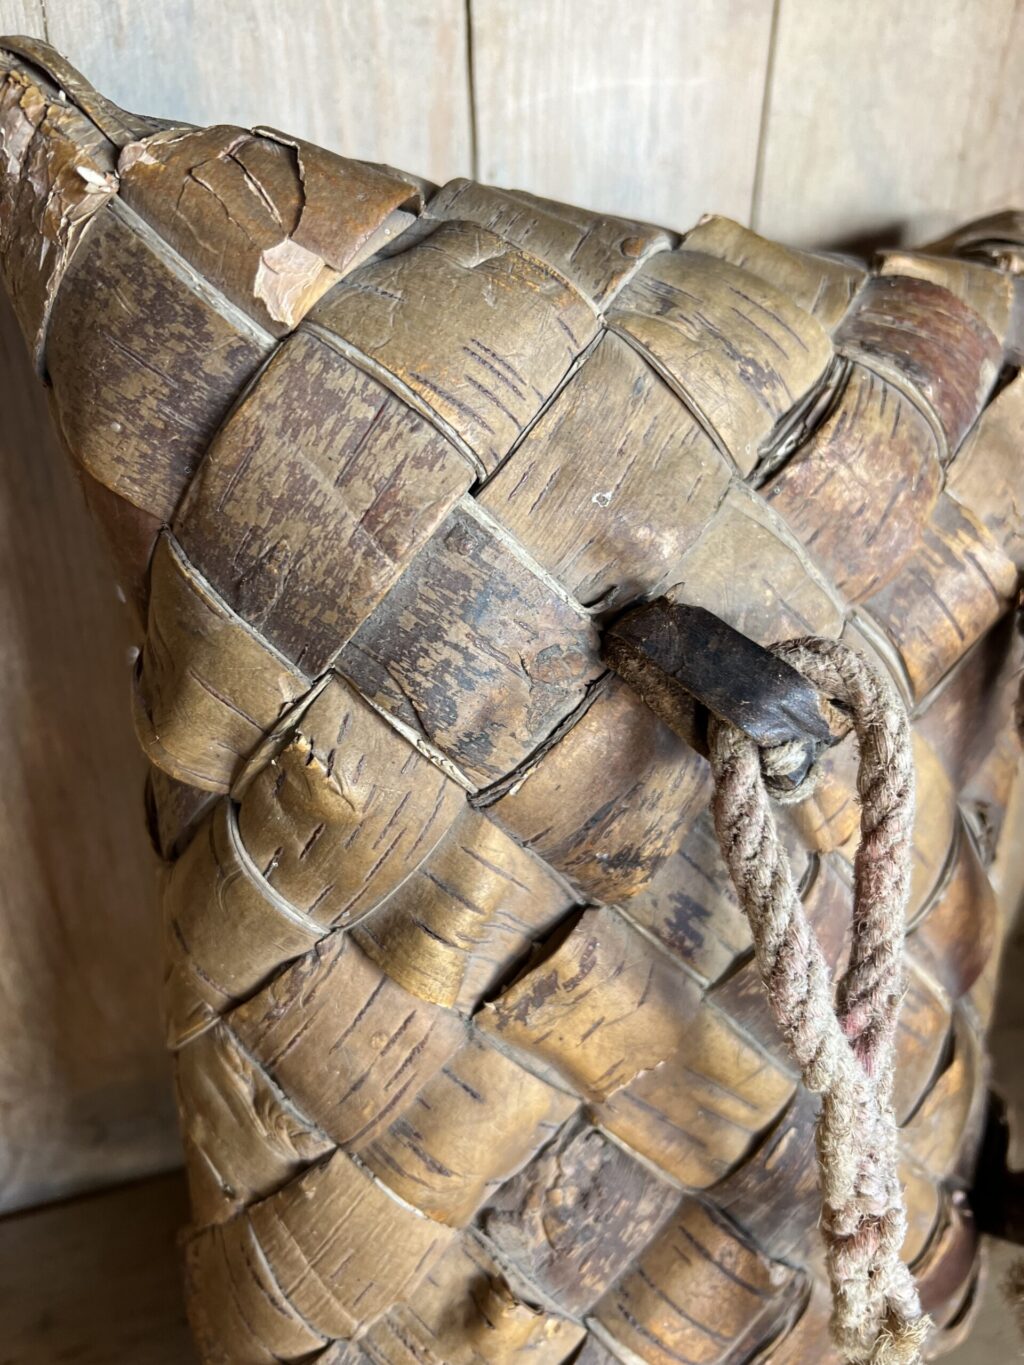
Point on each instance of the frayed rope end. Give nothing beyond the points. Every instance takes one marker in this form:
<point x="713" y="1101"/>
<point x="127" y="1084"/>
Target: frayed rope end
<point x="900" y="1342"/>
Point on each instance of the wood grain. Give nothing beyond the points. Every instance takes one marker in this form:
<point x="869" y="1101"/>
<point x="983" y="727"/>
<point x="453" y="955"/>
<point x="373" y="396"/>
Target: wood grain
<point x="774" y="1195"/>
<point x="993" y="294"/>
<point x="471" y="331"/>
<point x="955" y="954"/>
<point x="934" y="1136"/>
<point x="84" y="1087"/>
<point x="897" y="124"/>
<point x="111" y="1291"/>
<point x="202" y="666"/>
<point x="595" y="253"/>
<point x="649" y="110"/>
<point x="635" y="793"/>
<point x="940" y="353"/>
<point x="473" y="906"/>
<point x="248" y="1311"/>
<point x="810" y="1339"/>
<point x="142" y="429"/>
<point x="921" y="1040"/>
<point x="690" y="904"/>
<point x="597" y="1008"/>
<point x="985" y="476"/>
<point x="58" y="171"/>
<point x="226" y="931"/>
<point x="749" y="570"/>
<point x="243" y="1137"/>
<point x="822" y="285"/>
<point x="333" y="1290"/>
<point x="359" y="76"/>
<point x="953" y="588"/>
<point x="653" y="478"/>
<point x="697" y="1116"/>
<point x="22" y="16"/>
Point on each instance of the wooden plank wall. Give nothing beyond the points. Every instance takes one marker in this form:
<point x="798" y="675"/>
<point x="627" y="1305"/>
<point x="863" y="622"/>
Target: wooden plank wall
<point x="820" y="121"/>
<point x="890" y="120"/>
<point x="83" y="1080"/>
<point x="649" y="109"/>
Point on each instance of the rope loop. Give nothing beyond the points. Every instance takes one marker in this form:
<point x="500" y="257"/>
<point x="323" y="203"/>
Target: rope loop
<point x="842" y="1041"/>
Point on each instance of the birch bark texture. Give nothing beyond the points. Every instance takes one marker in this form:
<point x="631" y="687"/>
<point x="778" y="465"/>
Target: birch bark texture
<point x="471" y="1055"/>
<point x="783" y="115"/>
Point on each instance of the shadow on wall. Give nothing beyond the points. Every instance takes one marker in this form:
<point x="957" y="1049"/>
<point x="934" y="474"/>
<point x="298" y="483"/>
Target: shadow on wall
<point x="889" y="233"/>
<point x="995" y="1338"/>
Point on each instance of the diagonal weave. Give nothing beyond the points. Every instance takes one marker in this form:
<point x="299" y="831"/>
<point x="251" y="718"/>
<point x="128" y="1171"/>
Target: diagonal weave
<point x="473" y="1060"/>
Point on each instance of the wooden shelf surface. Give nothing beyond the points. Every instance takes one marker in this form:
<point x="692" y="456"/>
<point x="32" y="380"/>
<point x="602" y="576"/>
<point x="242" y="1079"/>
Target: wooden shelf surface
<point x="94" y="1281"/>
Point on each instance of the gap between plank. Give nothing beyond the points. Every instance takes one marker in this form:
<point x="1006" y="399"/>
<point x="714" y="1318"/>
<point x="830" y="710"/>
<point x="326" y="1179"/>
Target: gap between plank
<point x="762" y="132"/>
<point x="474" y="141"/>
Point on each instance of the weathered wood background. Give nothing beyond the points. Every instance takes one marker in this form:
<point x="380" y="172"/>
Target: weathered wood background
<point x="822" y="122"/>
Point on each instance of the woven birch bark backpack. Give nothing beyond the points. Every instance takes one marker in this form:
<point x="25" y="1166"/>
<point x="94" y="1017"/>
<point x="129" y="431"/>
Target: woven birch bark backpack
<point x="473" y="1057"/>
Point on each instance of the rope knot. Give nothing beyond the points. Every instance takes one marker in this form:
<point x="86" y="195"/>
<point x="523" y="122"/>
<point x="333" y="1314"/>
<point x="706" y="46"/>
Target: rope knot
<point x="780" y="764"/>
<point x="843" y="1041"/>
<point x="792" y="770"/>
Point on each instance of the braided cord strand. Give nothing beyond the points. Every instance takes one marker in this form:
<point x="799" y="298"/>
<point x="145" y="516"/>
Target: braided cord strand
<point x="843" y="1043"/>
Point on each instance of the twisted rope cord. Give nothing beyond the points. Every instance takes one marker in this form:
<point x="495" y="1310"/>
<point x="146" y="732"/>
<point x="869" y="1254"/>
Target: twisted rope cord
<point x="844" y="1046"/>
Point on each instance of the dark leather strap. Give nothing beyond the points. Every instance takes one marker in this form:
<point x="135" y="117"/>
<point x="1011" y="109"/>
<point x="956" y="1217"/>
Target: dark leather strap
<point x="684" y="662"/>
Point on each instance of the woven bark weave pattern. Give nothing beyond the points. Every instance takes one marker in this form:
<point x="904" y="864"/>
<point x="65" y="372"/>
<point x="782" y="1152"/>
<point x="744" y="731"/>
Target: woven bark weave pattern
<point x="472" y="1057"/>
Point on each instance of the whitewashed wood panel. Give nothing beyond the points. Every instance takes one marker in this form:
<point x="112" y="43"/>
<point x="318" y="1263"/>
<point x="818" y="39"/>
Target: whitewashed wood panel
<point x="22" y="16"/>
<point x="650" y="109"/>
<point x="891" y="120"/>
<point x="371" y="78"/>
